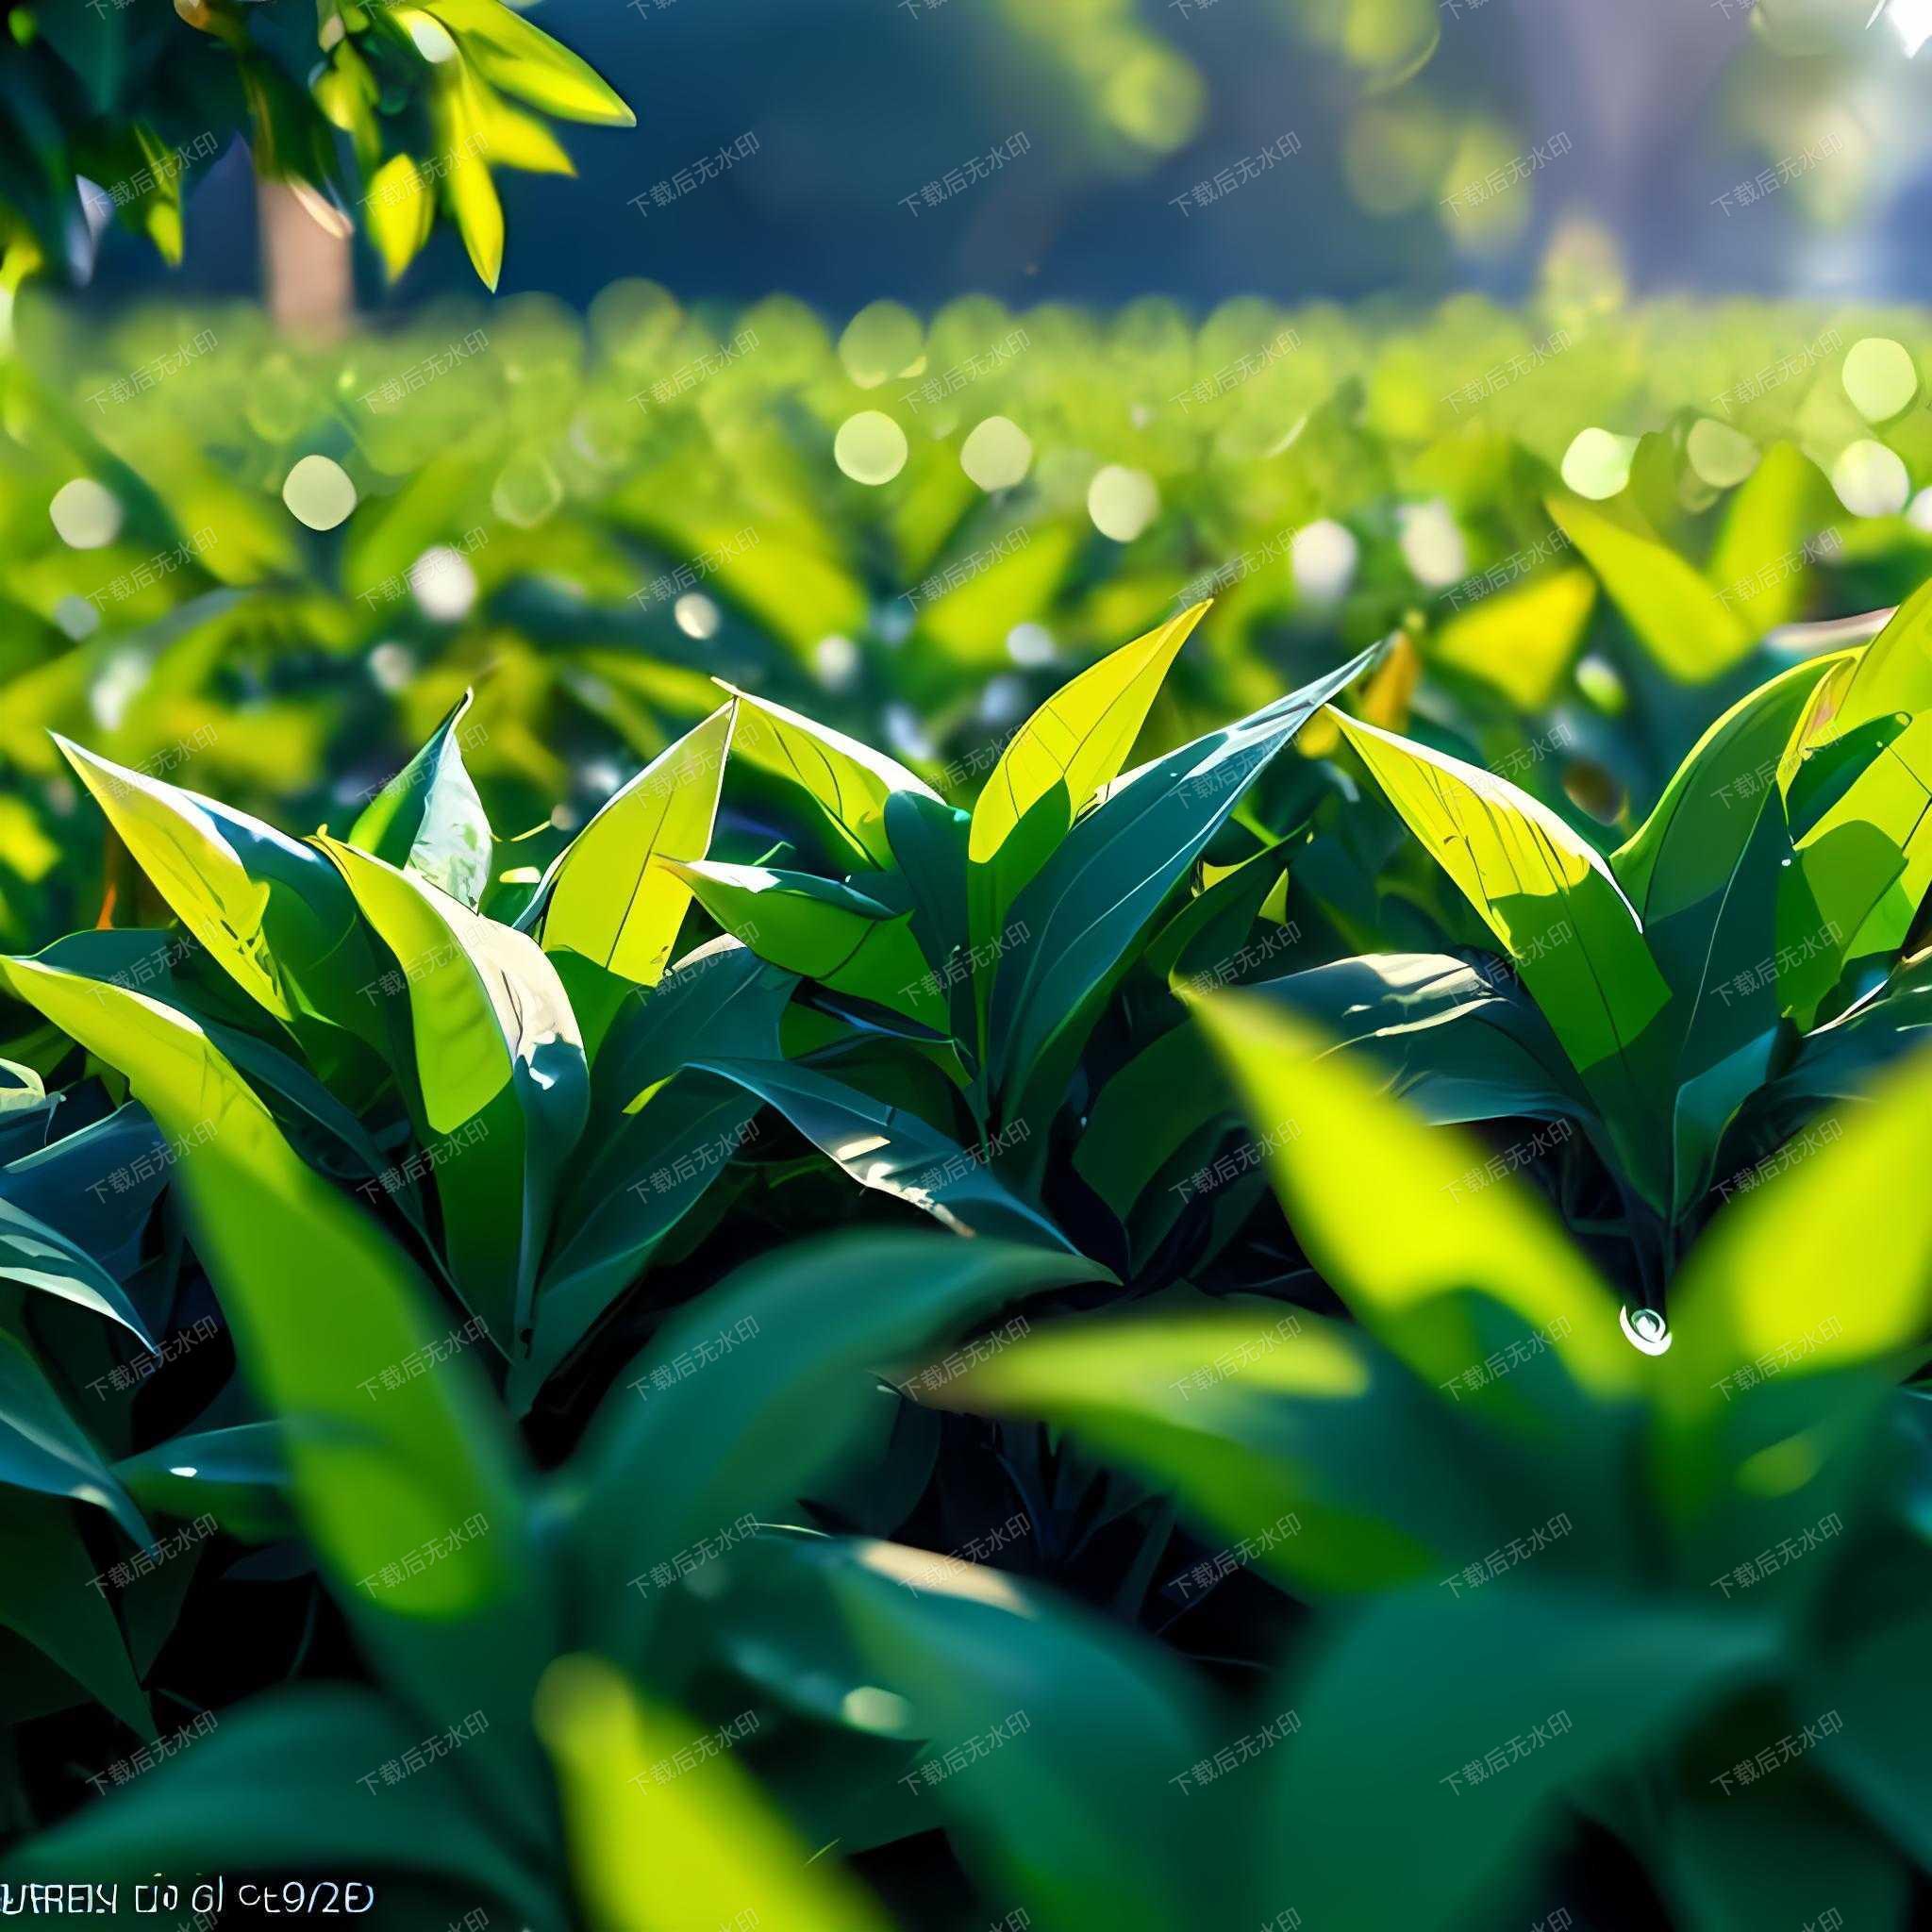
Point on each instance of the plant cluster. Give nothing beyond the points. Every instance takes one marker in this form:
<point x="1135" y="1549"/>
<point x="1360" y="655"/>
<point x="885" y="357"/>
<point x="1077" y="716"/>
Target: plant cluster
<point x="835" y="1359"/>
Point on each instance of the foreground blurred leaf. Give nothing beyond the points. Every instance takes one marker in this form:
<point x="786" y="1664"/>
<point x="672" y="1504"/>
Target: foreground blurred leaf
<point x="278" y="1780"/>
<point x="1417" y="1691"/>
<point x="810" y="1330"/>
<point x="320" y="1303"/>
<point x="1373" y="1196"/>
<point x="701" y="1848"/>
<point x="1073" y="1810"/>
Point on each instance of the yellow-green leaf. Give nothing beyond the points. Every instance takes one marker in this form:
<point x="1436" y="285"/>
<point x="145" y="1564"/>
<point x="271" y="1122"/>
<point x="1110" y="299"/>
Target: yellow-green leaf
<point x="1521" y="640"/>
<point x="1555" y="907"/>
<point x="849" y="781"/>
<point x="607" y="900"/>
<point x="1080" y="736"/>
<point x="703" y="1848"/>
<point x="1402" y="1217"/>
<point x="402" y="210"/>
<point x="1688" y="628"/>
<point x="1827" y="1265"/>
<point x="193" y="867"/>
<point x="523" y="61"/>
<point x="481" y="996"/>
<point x="471" y="193"/>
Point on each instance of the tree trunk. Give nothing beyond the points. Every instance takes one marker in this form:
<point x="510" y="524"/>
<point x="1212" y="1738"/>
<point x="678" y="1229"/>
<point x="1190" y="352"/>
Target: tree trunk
<point x="307" y="269"/>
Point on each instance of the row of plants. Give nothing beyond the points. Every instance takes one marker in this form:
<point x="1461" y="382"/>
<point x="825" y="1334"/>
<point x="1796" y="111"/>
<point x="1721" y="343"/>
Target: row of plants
<point x="292" y="559"/>
<point x="836" y="1357"/>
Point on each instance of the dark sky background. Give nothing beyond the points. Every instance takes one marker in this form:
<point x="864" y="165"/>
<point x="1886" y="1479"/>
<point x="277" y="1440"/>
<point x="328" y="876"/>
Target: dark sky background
<point x="857" y="103"/>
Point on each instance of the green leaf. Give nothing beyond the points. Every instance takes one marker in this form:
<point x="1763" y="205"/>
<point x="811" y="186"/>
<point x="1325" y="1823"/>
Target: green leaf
<point x="523" y="61"/>
<point x="659" y="1138"/>
<point x="810" y="1328"/>
<point x="320" y="1302"/>
<point x="892" y="1150"/>
<point x="1859" y="794"/>
<point x="604" y="898"/>
<point x="703" y="1847"/>
<point x="497" y="1055"/>
<point x="1559" y="911"/>
<point x="41" y="1257"/>
<point x="1417" y="1687"/>
<point x="1459" y="1042"/>
<point x="821" y="931"/>
<point x="1073" y="744"/>
<point x="238" y="1475"/>
<point x="43" y="1448"/>
<point x="428" y="817"/>
<point x="1075" y="926"/>
<point x="1689" y="630"/>
<point x="1687" y="850"/>
<point x="277" y="1787"/>
<point x="1738" y="1868"/>
<point x="1074" y="1810"/>
<point x="848" y="782"/>
<point x="1373" y="1196"/>
<point x="1705" y="872"/>
<point x="649" y="1173"/>
<point x="1840" y="1060"/>
<point x="51" y="1597"/>
<point x="1145" y="1114"/>
<point x="1882" y="1758"/>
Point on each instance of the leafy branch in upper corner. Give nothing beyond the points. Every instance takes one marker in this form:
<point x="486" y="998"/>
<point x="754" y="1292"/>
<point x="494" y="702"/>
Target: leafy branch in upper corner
<point x="132" y="99"/>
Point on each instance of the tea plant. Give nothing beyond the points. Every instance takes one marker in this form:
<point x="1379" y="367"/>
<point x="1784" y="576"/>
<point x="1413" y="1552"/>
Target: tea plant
<point x="521" y="1298"/>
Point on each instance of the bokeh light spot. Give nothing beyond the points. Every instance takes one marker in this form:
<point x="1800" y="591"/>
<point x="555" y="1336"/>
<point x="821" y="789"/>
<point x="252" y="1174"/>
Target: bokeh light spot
<point x="1721" y="456"/>
<point x="1323" y="556"/>
<point x="870" y="447"/>
<point x="1880" y="377"/>
<point x="997" y="454"/>
<point x="1597" y="463"/>
<point x="1871" y="480"/>
<point x="882" y="341"/>
<point x="1121" y="502"/>
<point x="319" y="492"/>
<point x="85" y="514"/>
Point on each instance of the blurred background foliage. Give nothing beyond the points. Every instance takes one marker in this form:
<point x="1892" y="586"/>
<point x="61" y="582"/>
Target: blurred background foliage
<point x="273" y="564"/>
